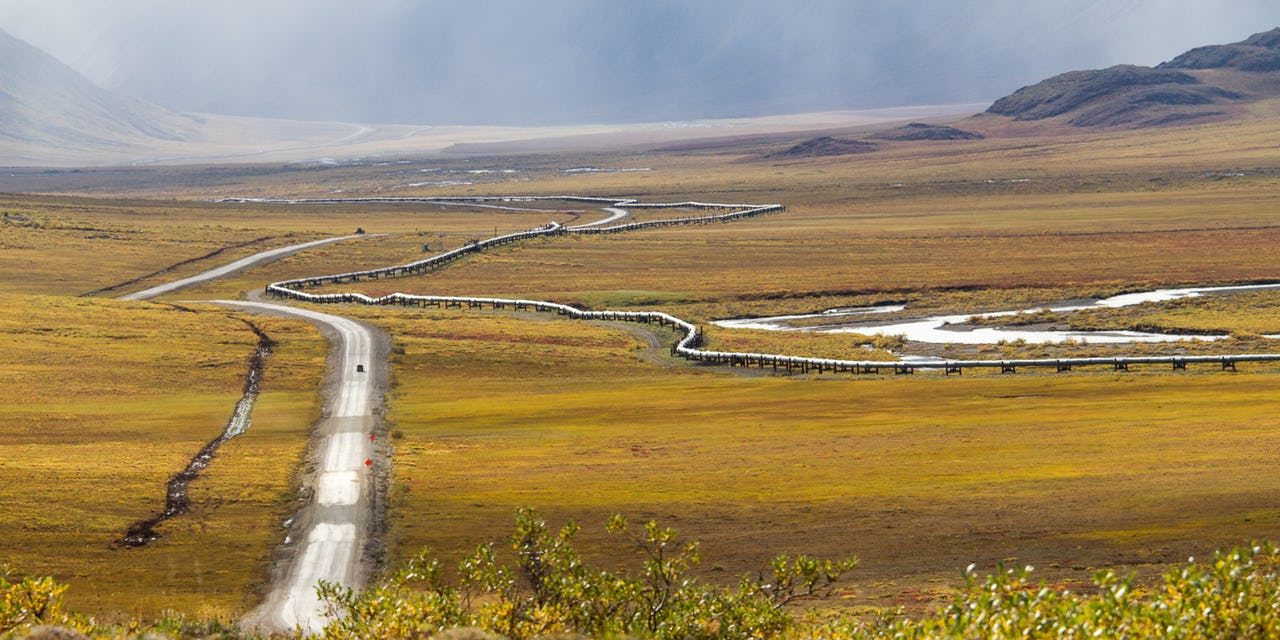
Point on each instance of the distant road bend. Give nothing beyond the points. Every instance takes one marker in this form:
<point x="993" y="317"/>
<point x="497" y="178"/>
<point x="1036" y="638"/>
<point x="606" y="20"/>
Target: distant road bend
<point x="615" y="214"/>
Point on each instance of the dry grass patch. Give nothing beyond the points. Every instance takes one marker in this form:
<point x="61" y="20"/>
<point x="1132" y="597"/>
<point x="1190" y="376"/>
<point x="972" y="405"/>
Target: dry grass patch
<point x="45" y="239"/>
<point x="844" y="346"/>
<point x="103" y="402"/>
<point x="918" y="477"/>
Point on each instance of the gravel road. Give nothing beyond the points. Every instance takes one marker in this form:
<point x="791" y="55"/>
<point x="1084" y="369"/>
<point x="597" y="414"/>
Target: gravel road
<point x="227" y="269"/>
<point x="330" y="537"/>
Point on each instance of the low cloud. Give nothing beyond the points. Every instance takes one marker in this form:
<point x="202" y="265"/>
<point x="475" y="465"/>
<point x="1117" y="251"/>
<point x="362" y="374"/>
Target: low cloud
<point x="576" y="61"/>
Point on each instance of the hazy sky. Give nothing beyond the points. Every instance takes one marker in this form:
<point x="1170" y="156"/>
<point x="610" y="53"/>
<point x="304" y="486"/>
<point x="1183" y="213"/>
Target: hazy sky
<point x="581" y="61"/>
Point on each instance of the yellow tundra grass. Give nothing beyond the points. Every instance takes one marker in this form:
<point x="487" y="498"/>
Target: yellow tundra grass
<point x="915" y="475"/>
<point x="102" y="403"/>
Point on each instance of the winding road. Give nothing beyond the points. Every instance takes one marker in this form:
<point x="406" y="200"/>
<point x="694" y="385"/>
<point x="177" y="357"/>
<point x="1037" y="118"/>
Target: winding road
<point x="230" y="268"/>
<point x="329" y="535"/>
<point x="615" y="215"/>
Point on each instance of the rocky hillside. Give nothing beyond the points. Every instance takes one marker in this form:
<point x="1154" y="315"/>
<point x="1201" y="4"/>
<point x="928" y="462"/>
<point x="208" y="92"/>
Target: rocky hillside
<point x="922" y="131"/>
<point x="1259" y="53"/>
<point x="1200" y="84"/>
<point x="46" y="107"/>
<point x="825" y="146"/>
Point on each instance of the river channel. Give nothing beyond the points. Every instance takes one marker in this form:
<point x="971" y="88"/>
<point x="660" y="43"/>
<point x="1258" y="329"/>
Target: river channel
<point x="957" y="328"/>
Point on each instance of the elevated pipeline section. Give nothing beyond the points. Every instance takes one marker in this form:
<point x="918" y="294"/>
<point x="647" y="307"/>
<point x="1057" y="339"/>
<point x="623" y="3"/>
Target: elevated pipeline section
<point x="689" y="346"/>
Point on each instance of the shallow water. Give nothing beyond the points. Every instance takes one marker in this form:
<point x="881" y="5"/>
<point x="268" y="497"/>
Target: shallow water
<point x="943" y="330"/>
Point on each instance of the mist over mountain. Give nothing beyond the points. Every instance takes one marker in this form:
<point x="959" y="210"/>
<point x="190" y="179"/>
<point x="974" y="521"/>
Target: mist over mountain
<point x="45" y="105"/>
<point x="52" y="116"/>
<point x="584" y="61"/>
<point x="579" y="61"/>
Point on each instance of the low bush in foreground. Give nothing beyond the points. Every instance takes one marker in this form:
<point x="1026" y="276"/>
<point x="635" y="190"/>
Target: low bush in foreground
<point x="29" y="601"/>
<point x="547" y="591"/>
<point x="1235" y="595"/>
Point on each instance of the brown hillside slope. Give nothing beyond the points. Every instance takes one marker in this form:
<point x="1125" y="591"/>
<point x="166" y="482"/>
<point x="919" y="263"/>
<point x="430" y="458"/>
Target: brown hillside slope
<point x="1259" y="52"/>
<point x="1205" y="83"/>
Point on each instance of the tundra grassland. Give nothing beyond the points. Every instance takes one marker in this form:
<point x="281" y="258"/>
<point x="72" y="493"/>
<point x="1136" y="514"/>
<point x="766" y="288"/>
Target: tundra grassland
<point x="55" y="245"/>
<point x="915" y="475"/>
<point x="1060" y="217"/>
<point x="774" y="266"/>
<point x="104" y="401"/>
<point x="989" y="225"/>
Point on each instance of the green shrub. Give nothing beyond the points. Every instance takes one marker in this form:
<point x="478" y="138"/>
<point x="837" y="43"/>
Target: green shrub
<point x="549" y="590"/>
<point x="1236" y="595"/>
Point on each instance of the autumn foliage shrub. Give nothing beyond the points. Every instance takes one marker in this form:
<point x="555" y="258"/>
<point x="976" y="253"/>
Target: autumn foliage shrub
<point x="1234" y="595"/>
<point x="30" y="601"/>
<point x="549" y="590"/>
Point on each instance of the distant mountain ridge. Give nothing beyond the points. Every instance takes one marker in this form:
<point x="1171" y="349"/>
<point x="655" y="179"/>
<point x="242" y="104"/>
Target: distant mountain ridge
<point x="50" y="115"/>
<point x="914" y="131"/>
<point x="45" y="104"/>
<point x="1203" y="83"/>
<point x="1259" y="52"/>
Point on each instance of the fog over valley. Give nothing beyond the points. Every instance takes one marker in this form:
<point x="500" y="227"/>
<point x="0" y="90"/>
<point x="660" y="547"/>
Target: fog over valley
<point x="508" y="62"/>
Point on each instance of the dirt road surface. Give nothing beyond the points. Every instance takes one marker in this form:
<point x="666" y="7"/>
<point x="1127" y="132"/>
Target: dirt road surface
<point x="229" y="268"/>
<point x="615" y="215"/>
<point x="332" y="537"/>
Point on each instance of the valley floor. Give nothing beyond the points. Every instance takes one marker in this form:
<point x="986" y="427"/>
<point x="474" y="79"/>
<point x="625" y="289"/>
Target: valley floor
<point x="918" y="476"/>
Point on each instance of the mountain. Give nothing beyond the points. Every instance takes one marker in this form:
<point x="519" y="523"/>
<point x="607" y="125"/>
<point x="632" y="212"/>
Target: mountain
<point x="825" y="146"/>
<point x="1260" y="52"/>
<point x="1204" y="83"/>
<point x="913" y="131"/>
<point x="46" y="107"/>
<point x="51" y="116"/>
